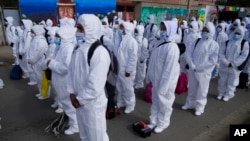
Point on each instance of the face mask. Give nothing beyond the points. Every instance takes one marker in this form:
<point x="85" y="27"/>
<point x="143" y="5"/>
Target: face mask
<point x="57" y="40"/>
<point x="120" y="32"/>
<point x="236" y="37"/>
<point x="163" y="34"/>
<point x="204" y="35"/>
<point x="22" y="27"/>
<point x="219" y="29"/>
<point x="80" y="36"/>
<point x="136" y="34"/>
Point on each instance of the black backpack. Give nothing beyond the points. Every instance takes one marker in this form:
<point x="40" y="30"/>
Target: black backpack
<point x="181" y="46"/>
<point x="114" y="67"/>
<point x="241" y="67"/>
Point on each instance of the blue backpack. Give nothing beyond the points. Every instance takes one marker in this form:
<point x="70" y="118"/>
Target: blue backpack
<point x="16" y="72"/>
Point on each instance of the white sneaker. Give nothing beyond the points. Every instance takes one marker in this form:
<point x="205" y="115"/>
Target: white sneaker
<point x="54" y="105"/>
<point x="71" y="131"/>
<point x="128" y="110"/>
<point x="198" y="113"/>
<point x="226" y="99"/>
<point x="59" y="110"/>
<point x="186" y="107"/>
<point x="42" y="98"/>
<point x="24" y="76"/>
<point x="38" y="95"/>
<point x="159" y="130"/>
<point x="32" y="83"/>
<point x="219" y="97"/>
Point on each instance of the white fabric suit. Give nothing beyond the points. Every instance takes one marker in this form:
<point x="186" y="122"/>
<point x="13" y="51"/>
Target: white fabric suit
<point x="229" y="76"/>
<point x="163" y="72"/>
<point x="36" y="53"/>
<point x="24" y="46"/>
<point x="201" y="59"/>
<point x="143" y="55"/>
<point x="127" y="58"/>
<point x="221" y="36"/>
<point x="59" y="67"/>
<point x="87" y="82"/>
<point x="107" y="30"/>
<point x="148" y="33"/>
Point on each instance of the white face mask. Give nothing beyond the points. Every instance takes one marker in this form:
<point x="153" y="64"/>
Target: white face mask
<point x="163" y="34"/>
<point x="80" y="36"/>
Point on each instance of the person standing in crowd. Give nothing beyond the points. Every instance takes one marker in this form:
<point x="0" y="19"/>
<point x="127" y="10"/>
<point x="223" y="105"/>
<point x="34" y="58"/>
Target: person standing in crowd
<point x="151" y="30"/>
<point x="36" y="53"/>
<point x="142" y="57"/>
<point x="163" y="72"/>
<point x="65" y="38"/>
<point x="193" y="34"/>
<point x="201" y="58"/>
<point x="107" y="30"/>
<point x="87" y="81"/>
<point x="127" y="58"/>
<point x="24" y="46"/>
<point x="231" y="56"/>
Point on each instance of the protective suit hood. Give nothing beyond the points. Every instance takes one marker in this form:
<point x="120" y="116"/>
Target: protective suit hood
<point x="92" y="27"/>
<point x="240" y="30"/>
<point x="10" y="20"/>
<point x="67" y="34"/>
<point x="151" y="18"/>
<point x="52" y="31"/>
<point x="48" y="24"/>
<point x="200" y="24"/>
<point x="129" y="28"/>
<point x="223" y="26"/>
<point x="38" y="29"/>
<point x="27" y="24"/>
<point x="171" y="28"/>
<point x="105" y="19"/>
<point x="237" y="22"/>
<point x="194" y="25"/>
<point x="211" y="29"/>
<point x="140" y="29"/>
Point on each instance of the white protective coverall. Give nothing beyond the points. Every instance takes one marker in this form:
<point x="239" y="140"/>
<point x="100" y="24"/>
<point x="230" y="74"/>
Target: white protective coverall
<point x="163" y="72"/>
<point x="24" y="46"/>
<point x="201" y="59"/>
<point x="59" y="67"/>
<point x="116" y="38"/>
<point x="229" y="76"/>
<point x="36" y="53"/>
<point x="127" y="58"/>
<point x="143" y="55"/>
<point x="87" y="82"/>
<point x="11" y="37"/>
<point x="148" y="33"/>
<point x="184" y="28"/>
<point x="232" y="27"/>
<point x="192" y="35"/>
<point x="19" y="34"/>
<point x="221" y="36"/>
<point x="107" y="30"/>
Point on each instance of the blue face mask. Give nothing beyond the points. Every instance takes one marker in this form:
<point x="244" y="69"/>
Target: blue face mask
<point x="163" y="34"/>
<point x="80" y="36"/>
<point x="57" y="40"/>
<point x="219" y="29"/>
<point x="236" y="37"/>
<point x="120" y="32"/>
<point x="204" y="35"/>
<point x="136" y="34"/>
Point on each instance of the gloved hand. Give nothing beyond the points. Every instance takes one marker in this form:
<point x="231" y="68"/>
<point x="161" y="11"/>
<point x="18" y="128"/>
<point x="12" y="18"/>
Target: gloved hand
<point x="193" y="67"/>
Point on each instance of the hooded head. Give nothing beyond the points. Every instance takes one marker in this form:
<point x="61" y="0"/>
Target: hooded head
<point x="171" y="28"/>
<point x="184" y="24"/>
<point x="194" y="26"/>
<point x="246" y="20"/>
<point x="19" y="31"/>
<point x="140" y="29"/>
<point x="208" y="31"/>
<point x="27" y="24"/>
<point x="151" y="19"/>
<point x="200" y="25"/>
<point x="38" y="30"/>
<point x="49" y="23"/>
<point x="221" y="27"/>
<point x="105" y="22"/>
<point x="92" y="27"/>
<point x="52" y="33"/>
<point x="192" y="19"/>
<point x="129" y="28"/>
<point x="8" y="21"/>
<point x="239" y="34"/>
<point x="67" y="34"/>
<point x="236" y="23"/>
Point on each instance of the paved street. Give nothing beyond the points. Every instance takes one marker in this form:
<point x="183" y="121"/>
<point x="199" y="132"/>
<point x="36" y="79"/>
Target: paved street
<point x="24" y="117"/>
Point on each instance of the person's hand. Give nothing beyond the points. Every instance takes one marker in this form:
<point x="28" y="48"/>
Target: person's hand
<point x="48" y="62"/>
<point x="127" y="74"/>
<point x="229" y="65"/>
<point x="74" y="101"/>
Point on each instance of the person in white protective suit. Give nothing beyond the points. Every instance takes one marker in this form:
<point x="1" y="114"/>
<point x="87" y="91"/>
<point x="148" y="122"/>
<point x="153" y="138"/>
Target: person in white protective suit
<point x="232" y="28"/>
<point x="231" y="57"/>
<point x="65" y="36"/>
<point x="117" y="38"/>
<point x="184" y="29"/>
<point x="19" y="34"/>
<point x="246" y="36"/>
<point x="143" y="55"/>
<point x="151" y="30"/>
<point x="201" y="59"/>
<point x="200" y="26"/>
<point x="87" y="81"/>
<point x="24" y="46"/>
<point x="220" y="37"/>
<point x="193" y="34"/>
<point x="127" y="57"/>
<point x="11" y="37"/>
<point x="36" y="53"/>
<point x="163" y="72"/>
<point x="107" y="30"/>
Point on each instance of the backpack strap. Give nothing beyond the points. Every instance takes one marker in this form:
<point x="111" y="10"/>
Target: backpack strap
<point x="197" y="41"/>
<point x="151" y="28"/>
<point x="92" y="49"/>
<point x="163" y="43"/>
<point x="242" y="45"/>
<point x="101" y="39"/>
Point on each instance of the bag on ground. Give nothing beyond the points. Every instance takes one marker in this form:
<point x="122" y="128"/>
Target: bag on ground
<point x="16" y="72"/>
<point x="148" y="93"/>
<point x="141" y="128"/>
